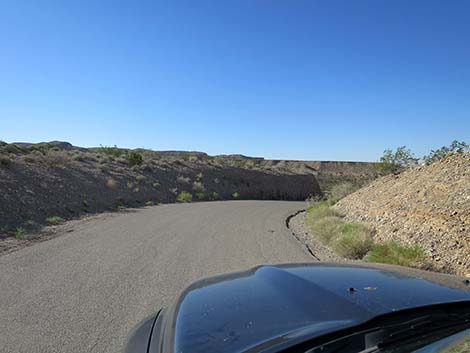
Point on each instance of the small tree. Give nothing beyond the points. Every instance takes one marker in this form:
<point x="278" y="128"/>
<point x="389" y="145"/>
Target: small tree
<point x="395" y="162"/>
<point x="455" y="147"/>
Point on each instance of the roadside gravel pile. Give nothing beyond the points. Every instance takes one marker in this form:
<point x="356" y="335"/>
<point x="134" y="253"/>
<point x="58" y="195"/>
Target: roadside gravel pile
<point x="427" y="205"/>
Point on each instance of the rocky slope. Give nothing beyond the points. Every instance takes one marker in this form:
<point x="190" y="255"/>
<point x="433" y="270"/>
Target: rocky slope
<point x="427" y="205"/>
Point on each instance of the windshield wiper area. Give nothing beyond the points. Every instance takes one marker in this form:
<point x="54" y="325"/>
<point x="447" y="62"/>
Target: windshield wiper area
<point x="402" y="332"/>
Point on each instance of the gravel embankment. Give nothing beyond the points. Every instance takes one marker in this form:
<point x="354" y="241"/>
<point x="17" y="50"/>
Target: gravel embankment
<point x="428" y="206"/>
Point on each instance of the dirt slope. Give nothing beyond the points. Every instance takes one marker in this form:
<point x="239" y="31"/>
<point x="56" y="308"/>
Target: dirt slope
<point x="428" y="205"/>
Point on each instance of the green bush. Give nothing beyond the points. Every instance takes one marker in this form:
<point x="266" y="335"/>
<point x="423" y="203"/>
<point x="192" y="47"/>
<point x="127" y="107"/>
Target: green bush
<point x="397" y="254"/>
<point x="184" y="197"/>
<point x="134" y="158"/>
<point x="395" y="162"/>
<point x="156" y="185"/>
<point x="455" y="147"/>
<point x="54" y="220"/>
<point x="353" y="240"/>
<point x="235" y="195"/>
<point x="149" y="203"/>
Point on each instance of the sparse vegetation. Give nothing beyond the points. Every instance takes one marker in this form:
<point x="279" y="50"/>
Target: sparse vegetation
<point x="214" y="196"/>
<point x="395" y="162"/>
<point x="198" y="186"/>
<point x="396" y="254"/>
<point x="18" y="233"/>
<point x="183" y="180"/>
<point x="54" y="220"/>
<point x="350" y="240"/>
<point x="4" y="161"/>
<point x="184" y="197"/>
<point x="57" y="159"/>
<point x="113" y="151"/>
<point x="354" y="240"/>
<point x="200" y="196"/>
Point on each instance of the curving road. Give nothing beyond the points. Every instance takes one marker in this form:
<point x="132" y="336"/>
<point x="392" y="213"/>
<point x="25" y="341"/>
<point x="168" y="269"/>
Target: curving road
<point x="84" y="291"/>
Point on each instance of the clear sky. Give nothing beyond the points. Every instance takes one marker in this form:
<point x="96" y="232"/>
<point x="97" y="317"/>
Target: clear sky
<point x="298" y="79"/>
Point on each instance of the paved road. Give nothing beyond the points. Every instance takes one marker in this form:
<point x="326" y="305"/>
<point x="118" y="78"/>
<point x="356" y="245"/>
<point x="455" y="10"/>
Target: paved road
<point x="83" y="291"/>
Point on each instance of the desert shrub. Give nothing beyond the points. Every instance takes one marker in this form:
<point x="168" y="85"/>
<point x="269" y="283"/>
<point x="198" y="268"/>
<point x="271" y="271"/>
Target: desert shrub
<point x="198" y="186"/>
<point x="183" y="180"/>
<point x="5" y="161"/>
<point x="140" y="178"/>
<point x="104" y="168"/>
<point x="113" y="151"/>
<point x="397" y="254"/>
<point x="156" y="185"/>
<point x="395" y="162"/>
<point x="57" y="159"/>
<point x="443" y="152"/>
<point x="149" y="203"/>
<point x="184" y="197"/>
<point x="11" y="148"/>
<point x="120" y="207"/>
<point x="54" y="220"/>
<point x="18" y="233"/>
<point x="200" y="196"/>
<point x="214" y="196"/>
<point x="235" y="195"/>
<point x="134" y="158"/>
<point x="339" y="191"/>
<point x="353" y="240"/>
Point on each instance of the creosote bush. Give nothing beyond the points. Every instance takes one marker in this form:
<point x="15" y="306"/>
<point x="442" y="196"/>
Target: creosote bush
<point x="134" y="158"/>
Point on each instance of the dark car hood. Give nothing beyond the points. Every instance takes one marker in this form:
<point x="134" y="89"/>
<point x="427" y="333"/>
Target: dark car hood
<point x="271" y="306"/>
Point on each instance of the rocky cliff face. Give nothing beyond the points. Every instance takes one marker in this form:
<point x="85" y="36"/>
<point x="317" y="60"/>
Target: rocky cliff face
<point x="428" y="206"/>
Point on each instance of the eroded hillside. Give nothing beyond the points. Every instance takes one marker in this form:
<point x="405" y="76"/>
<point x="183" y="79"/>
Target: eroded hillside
<point x="428" y="206"/>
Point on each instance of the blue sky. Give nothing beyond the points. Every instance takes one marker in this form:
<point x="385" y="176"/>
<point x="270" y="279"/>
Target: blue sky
<point x="297" y="79"/>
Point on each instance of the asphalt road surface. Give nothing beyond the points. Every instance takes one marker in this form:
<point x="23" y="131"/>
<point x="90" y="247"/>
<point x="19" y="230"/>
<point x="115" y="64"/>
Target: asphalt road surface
<point x="84" y="290"/>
